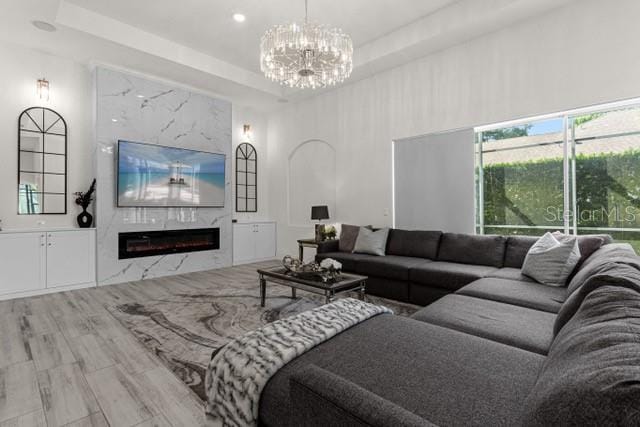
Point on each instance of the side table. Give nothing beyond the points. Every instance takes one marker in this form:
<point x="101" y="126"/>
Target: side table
<point x="305" y="243"/>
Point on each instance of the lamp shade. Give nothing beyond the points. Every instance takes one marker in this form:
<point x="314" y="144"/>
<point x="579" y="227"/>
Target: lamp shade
<point x="319" y="212"/>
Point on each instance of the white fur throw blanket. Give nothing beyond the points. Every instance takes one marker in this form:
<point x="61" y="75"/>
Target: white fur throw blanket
<point x="240" y="370"/>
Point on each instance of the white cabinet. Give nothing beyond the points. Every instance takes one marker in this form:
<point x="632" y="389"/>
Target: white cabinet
<point x="70" y="258"/>
<point x="265" y="240"/>
<point x="244" y="246"/>
<point x="45" y="261"/>
<point x="22" y="262"/>
<point x="253" y="241"/>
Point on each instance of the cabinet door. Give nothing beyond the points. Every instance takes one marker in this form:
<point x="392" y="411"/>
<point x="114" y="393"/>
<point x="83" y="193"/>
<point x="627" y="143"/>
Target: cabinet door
<point x="70" y="258"/>
<point x="265" y="240"/>
<point x="22" y="262"/>
<point x="244" y="246"/>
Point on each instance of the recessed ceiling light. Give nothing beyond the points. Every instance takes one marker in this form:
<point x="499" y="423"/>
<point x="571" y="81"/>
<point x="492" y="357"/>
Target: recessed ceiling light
<point x="140" y="96"/>
<point x="114" y="120"/>
<point x="44" y="26"/>
<point x="239" y="17"/>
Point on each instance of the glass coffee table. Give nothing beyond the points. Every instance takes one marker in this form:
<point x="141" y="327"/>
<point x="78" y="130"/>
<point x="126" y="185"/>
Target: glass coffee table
<point x="347" y="283"/>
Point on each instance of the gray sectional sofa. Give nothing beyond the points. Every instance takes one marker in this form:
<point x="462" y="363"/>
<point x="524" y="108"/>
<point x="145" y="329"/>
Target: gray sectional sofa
<point x="496" y="349"/>
<point x="422" y="266"/>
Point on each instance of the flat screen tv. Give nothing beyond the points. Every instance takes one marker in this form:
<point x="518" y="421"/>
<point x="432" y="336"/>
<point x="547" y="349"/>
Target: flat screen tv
<point x="157" y="176"/>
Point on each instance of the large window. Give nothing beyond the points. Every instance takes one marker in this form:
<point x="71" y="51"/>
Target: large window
<point x="578" y="173"/>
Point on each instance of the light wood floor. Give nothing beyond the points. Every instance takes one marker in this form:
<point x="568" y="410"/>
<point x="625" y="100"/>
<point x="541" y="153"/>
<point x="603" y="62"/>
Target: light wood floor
<point x="66" y="361"/>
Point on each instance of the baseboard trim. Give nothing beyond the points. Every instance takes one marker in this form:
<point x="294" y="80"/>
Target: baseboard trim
<point x="36" y="292"/>
<point x="251" y="261"/>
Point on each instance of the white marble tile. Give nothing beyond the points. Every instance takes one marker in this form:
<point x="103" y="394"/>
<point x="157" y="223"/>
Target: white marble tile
<point x="165" y="116"/>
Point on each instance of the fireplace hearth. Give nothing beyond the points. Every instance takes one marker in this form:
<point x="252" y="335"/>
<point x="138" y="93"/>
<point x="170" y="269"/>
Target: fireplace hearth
<point x="150" y="243"/>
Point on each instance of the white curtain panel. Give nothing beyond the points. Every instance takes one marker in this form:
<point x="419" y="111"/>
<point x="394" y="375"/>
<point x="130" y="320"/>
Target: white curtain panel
<point x="434" y="182"/>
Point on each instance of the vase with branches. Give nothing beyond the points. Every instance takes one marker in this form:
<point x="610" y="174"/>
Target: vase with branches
<point x="84" y="199"/>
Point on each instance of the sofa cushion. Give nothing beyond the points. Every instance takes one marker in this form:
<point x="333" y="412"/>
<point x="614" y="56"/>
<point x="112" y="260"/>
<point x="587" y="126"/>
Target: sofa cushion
<point x="348" y="236"/>
<point x="424" y="295"/>
<point x="615" y="252"/>
<point x="371" y="242"/>
<point x="447" y="275"/>
<point x="389" y="266"/>
<point x="528" y="329"/>
<point x="516" y="250"/>
<point x="518" y="246"/>
<point x="444" y="376"/>
<point x="590" y="243"/>
<point x="610" y="273"/>
<point x="348" y="260"/>
<point x="522" y="293"/>
<point x="415" y="243"/>
<point x="552" y="259"/>
<point x="388" y="288"/>
<point x="511" y="274"/>
<point x="472" y="249"/>
<point x="331" y="245"/>
<point x="591" y="376"/>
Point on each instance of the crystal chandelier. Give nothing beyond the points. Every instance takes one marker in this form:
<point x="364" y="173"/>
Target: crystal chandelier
<point x="306" y="55"/>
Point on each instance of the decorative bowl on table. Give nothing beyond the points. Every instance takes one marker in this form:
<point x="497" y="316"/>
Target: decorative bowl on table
<point x="327" y="271"/>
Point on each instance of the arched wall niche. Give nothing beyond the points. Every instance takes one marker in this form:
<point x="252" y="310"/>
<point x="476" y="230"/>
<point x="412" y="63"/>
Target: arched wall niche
<point x="311" y="180"/>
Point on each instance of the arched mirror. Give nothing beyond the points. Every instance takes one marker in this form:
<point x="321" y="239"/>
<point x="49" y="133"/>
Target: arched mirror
<point x="246" y="178"/>
<point x="42" y="162"/>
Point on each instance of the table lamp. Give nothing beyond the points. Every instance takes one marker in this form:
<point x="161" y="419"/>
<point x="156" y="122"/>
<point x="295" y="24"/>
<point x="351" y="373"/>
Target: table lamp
<point x="319" y="213"/>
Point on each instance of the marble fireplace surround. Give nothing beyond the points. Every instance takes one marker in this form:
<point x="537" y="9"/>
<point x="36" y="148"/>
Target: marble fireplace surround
<point x="136" y="109"/>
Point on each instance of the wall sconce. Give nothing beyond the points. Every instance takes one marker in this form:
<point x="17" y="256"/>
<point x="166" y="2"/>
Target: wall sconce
<point x="43" y="89"/>
<point x="247" y="135"/>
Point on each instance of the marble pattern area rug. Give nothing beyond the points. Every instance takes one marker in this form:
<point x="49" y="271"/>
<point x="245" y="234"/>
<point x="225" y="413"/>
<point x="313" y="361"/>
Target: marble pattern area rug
<point x="184" y="327"/>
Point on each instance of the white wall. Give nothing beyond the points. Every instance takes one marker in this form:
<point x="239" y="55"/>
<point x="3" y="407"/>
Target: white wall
<point x="311" y="169"/>
<point x="71" y="90"/>
<point x="581" y="54"/>
<point x="242" y="115"/>
<point x="72" y="96"/>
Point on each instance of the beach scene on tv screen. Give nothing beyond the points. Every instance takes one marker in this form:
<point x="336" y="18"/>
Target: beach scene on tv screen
<point x="153" y="175"/>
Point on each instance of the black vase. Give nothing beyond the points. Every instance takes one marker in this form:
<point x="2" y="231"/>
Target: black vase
<point x="85" y="219"/>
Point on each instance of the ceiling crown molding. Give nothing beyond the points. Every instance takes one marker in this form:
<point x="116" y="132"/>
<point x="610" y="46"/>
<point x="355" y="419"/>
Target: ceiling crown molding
<point x="106" y="28"/>
<point x="449" y="26"/>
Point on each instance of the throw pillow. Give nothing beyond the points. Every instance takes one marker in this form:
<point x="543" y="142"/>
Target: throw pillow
<point x="551" y="259"/>
<point x="371" y="242"/>
<point x="588" y="244"/>
<point x="348" y="236"/>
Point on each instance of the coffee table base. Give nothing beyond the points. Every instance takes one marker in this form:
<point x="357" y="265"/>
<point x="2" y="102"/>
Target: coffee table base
<point x="329" y="294"/>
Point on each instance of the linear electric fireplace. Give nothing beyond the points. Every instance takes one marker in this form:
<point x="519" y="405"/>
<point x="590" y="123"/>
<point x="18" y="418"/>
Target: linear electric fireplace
<point x="149" y="243"/>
